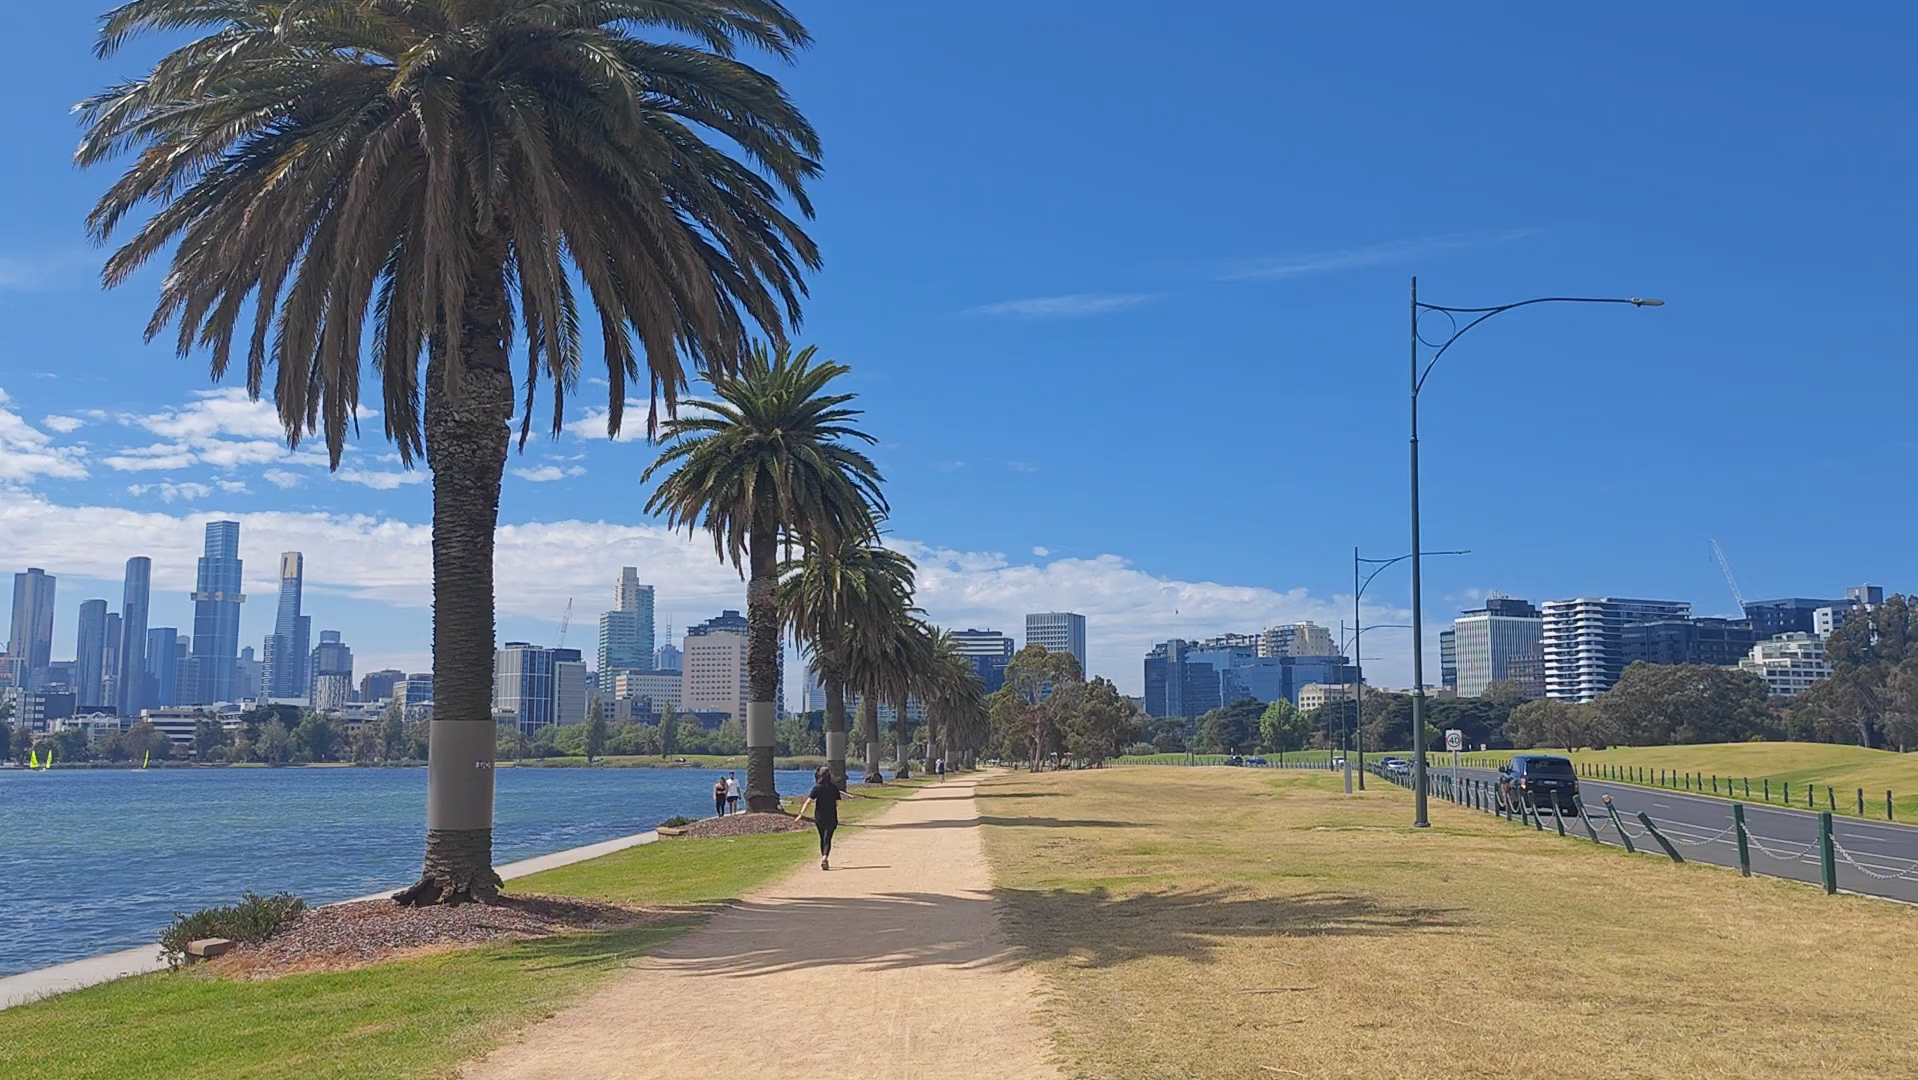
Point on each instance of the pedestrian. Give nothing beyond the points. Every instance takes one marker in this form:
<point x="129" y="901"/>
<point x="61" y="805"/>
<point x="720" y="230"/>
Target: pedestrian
<point x="940" y="769"/>
<point x="825" y="796"/>
<point x="732" y="793"/>
<point x="719" y="797"/>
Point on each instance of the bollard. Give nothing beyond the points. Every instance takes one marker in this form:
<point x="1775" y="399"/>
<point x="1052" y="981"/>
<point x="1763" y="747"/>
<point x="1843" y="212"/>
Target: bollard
<point x="1767" y="789"/>
<point x="1748" y="787"/>
<point x="1646" y="820"/>
<point x="1830" y="799"/>
<point x="1558" y="819"/>
<point x="1714" y="783"/>
<point x="1578" y="803"/>
<point x="1612" y="812"/>
<point x="1827" y="858"/>
<point x="1861" y="802"/>
<point x="1744" y="846"/>
<point x="1887" y="804"/>
<point x="1787" y="792"/>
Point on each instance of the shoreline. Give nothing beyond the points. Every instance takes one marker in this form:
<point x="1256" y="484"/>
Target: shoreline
<point x="46" y="982"/>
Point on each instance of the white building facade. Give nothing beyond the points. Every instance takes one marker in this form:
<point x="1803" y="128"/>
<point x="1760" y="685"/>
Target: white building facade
<point x="1789" y="663"/>
<point x="1582" y="641"/>
<point x="1059" y="631"/>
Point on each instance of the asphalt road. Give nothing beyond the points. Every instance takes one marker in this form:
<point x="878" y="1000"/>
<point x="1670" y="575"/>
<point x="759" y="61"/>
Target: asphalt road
<point x="1875" y="858"/>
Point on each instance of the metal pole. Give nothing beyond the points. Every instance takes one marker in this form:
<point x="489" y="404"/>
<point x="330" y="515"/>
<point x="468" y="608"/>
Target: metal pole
<point x="1419" y="820"/>
<point x="1358" y="672"/>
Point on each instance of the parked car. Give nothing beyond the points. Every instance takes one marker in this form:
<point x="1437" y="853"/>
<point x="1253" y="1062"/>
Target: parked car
<point x="1537" y="779"/>
<point x="1235" y="760"/>
<point x="1395" y="766"/>
<point x="1256" y="761"/>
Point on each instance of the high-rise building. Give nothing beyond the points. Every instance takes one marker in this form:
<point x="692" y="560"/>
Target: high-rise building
<point x="620" y="647"/>
<point x="1863" y="598"/>
<point x="1448" y="660"/>
<point x="569" y="690"/>
<point x="332" y="661"/>
<point x="286" y="656"/>
<point x="1789" y="663"/>
<point x="30" y="645"/>
<point x="1297" y="639"/>
<point x="247" y="681"/>
<point x="989" y="651"/>
<point x="378" y="685"/>
<point x="110" y="665"/>
<point x="528" y="684"/>
<point x="1500" y="642"/>
<point x="1717" y="642"/>
<point x="89" y="655"/>
<point x="1583" y="641"/>
<point x="1177" y="686"/>
<point x="713" y="675"/>
<point x="162" y="689"/>
<point x="216" y="613"/>
<point x="667" y="658"/>
<point x="135" y="593"/>
<point x="1059" y="631"/>
<point x="415" y="692"/>
<point x="661" y="688"/>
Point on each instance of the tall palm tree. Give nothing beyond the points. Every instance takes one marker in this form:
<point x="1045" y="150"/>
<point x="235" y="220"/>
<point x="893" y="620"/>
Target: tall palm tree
<point x="954" y="697"/>
<point x="828" y="597"/>
<point x="451" y="172"/>
<point x="875" y="659"/>
<point x="768" y="464"/>
<point x="907" y="658"/>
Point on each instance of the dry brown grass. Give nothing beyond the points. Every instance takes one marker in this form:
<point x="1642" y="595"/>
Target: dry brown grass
<point x="1226" y="923"/>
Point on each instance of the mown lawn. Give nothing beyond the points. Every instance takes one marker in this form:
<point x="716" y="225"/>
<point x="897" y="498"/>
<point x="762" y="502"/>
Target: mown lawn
<point x="1236" y="923"/>
<point x="415" y="1017"/>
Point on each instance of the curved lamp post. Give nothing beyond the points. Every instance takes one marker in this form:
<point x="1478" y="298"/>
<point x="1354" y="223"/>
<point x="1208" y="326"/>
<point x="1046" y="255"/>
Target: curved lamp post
<point x="1358" y="650"/>
<point x="1438" y="347"/>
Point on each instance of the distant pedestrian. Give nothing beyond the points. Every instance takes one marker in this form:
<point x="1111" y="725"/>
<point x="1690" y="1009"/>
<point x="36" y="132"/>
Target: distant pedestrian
<point x="719" y="797"/>
<point x="940" y="769"/>
<point x="824" y="798"/>
<point x="732" y="793"/>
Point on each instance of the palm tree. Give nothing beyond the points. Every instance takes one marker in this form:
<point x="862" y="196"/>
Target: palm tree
<point x="954" y="698"/>
<point x="875" y="659"/>
<point x="451" y="172"/>
<point x="767" y="465"/>
<point x="907" y="660"/>
<point x="828" y="597"/>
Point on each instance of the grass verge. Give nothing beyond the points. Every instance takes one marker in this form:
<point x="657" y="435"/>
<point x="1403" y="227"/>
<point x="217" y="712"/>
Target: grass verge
<point x="1805" y="766"/>
<point x="1229" y="923"/>
<point x="411" y="1017"/>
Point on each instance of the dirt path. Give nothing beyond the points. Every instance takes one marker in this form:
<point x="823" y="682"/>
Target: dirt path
<point x="889" y="965"/>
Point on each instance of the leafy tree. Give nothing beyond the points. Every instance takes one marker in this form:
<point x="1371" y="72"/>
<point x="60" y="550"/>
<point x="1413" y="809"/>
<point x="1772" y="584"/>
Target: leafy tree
<point x="1105" y="722"/>
<point x="366" y="745"/>
<point x="276" y="743"/>
<point x="1166" y="734"/>
<point x="1858" y="700"/>
<point x="318" y="738"/>
<point x="1555" y="723"/>
<point x="595" y="730"/>
<point x="23" y="742"/>
<point x="444" y="177"/>
<point x="1047" y="687"/>
<point x="1283" y="727"/>
<point x="392" y="731"/>
<point x="668" y="731"/>
<point x="1653" y="704"/>
<point x="1231" y="728"/>
<point x="143" y="739"/>
<point x="768" y="464"/>
<point x="71" y="745"/>
<point x="208" y="737"/>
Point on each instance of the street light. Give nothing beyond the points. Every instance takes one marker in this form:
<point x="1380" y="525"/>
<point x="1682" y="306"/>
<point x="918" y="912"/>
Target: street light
<point x="1479" y="315"/>
<point x="1357" y="741"/>
<point x="1358" y="649"/>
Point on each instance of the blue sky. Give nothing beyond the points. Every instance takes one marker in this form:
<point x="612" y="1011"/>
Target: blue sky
<point x="1124" y="290"/>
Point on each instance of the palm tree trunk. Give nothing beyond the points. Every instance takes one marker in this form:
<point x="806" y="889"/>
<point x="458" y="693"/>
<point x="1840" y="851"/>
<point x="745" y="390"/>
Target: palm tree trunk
<point x="869" y="734"/>
<point x="835" y="726"/>
<point x="762" y="669"/>
<point x="902" y="738"/>
<point x="466" y="444"/>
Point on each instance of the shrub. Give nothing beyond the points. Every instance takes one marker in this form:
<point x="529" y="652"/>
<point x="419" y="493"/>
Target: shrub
<point x="254" y="919"/>
<point x="675" y="821"/>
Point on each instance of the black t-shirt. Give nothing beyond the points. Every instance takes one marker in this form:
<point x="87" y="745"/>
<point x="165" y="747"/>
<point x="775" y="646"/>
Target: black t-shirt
<point x="825" y="799"/>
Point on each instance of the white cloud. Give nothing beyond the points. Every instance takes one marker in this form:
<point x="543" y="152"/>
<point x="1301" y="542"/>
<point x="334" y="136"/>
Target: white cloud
<point x="1041" y="552"/>
<point x="147" y="458"/>
<point x="188" y="491"/>
<point x="223" y="428"/>
<point x="281" y="479"/>
<point x="224" y="412"/>
<point x="65" y="425"/>
<point x="380" y="481"/>
<point x="548" y="473"/>
<point x="1063" y="307"/>
<point x="1387" y="254"/>
<point x="27" y="452"/>
<point x="232" y="487"/>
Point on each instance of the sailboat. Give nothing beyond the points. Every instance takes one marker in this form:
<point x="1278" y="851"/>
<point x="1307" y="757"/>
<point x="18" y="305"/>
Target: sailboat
<point x="146" y="760"/>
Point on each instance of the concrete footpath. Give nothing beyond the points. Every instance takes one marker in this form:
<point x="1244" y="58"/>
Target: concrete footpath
<point x="891" y="964"/>
<point x="32" y="985"/>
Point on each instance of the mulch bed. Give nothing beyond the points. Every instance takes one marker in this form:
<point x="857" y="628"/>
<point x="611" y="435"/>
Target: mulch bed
<point x="342" y="936"/>
<point x="744" y="825"/>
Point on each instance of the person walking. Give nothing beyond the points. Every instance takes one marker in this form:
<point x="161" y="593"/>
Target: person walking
<point x="732" y="793"/>
<point x="823" y="799"/>
<point x="719" y="797"/>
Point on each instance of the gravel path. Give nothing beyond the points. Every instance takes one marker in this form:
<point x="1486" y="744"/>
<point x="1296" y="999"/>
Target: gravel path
<point x="897" y="950"/>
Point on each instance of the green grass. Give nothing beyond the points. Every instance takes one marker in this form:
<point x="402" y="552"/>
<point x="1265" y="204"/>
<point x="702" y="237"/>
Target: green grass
<point x="1844" y="769"/>
<point x="416" y="1017"/>
<point x="654" y="761"/>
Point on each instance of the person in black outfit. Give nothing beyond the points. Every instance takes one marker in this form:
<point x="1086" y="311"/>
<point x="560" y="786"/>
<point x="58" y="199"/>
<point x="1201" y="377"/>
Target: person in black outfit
<point x="825" y="795"/>
<point x="719" y="798"/>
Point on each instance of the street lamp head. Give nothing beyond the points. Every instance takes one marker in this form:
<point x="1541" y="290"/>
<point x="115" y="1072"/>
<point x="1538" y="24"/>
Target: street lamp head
<point x="1646" y="301"/>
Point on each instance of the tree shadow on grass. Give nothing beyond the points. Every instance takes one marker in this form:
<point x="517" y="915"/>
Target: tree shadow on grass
<point x="1041" y="822"/>
<point x="1096" y="929"/>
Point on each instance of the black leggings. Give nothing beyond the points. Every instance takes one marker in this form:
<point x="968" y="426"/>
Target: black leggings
<point x="825" y="836"/>
<point x="719" y="806"/>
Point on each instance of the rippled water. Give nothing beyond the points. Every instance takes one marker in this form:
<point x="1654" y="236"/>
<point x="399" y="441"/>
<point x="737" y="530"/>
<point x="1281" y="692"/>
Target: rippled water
<point x="97" y="860"/>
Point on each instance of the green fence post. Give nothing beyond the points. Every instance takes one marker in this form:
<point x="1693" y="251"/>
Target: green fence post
<point x="1831" y="800"/>
<point x="1558" y="819"/>
<point x="1538" y="820"/>
<point x="1623" y="836"/>
<point x="1861" y="802"/>
<point x="1748" y="787"/>
<point x="1887" y="804"/>
<point x="1578" y="803"/>
<point x="1646" y="820"/>
<point x="1767" y="789"/>
<point x="1827" y="858"/>
<point x="1714" y="783"/>
<point x="1744" y="846"/>
<point x="1787" y="784"/>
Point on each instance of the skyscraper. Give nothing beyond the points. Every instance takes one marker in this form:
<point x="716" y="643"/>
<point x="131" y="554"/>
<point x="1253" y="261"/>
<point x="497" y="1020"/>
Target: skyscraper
<point x="30" y="645"/>
<point x="284" y="657"/>
<point x="1059" y="631"/>
<point x="216" y="614"/>
<point x="89" y="655"/>
<point x="1500" y="642"/>
<point x="246" y="676"/>
<point x="332" y="667"/>
<point x="162" y="689"/>
<point x="626" y="632"/>
<point x="110" y="664"/>
<point x="1583" y="641"/>
<point x="989" y="651"/>
<point x="129" y="697"/>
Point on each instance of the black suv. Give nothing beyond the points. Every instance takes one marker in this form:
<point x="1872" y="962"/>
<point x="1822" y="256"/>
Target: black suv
<point x="1537" y="778"/>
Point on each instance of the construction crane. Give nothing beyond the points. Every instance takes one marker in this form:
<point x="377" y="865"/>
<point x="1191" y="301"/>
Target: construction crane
<point x="565" y="622"/>
<point x="1726" y="566"/>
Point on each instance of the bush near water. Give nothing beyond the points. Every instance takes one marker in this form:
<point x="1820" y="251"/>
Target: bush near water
<point x="254" y="919"/>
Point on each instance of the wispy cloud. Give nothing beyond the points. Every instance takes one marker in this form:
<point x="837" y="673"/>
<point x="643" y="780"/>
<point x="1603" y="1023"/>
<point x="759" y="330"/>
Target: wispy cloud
<point x="1387" y="254"/>
<point x="65" y="425"/>
<point x="548" y="473"/>
<point x="1072" y="306"/>
<point x="380" y="481"/>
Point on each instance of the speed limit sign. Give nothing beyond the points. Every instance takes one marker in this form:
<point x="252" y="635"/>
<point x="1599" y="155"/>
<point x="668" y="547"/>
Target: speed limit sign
<point x="1454" y="740"/>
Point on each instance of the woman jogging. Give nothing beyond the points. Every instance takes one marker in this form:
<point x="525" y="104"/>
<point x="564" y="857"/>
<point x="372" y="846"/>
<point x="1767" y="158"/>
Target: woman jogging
<point x="825" y="795"/>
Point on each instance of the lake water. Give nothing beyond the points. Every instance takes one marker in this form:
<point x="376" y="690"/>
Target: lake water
<point x="101" y="859"/>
